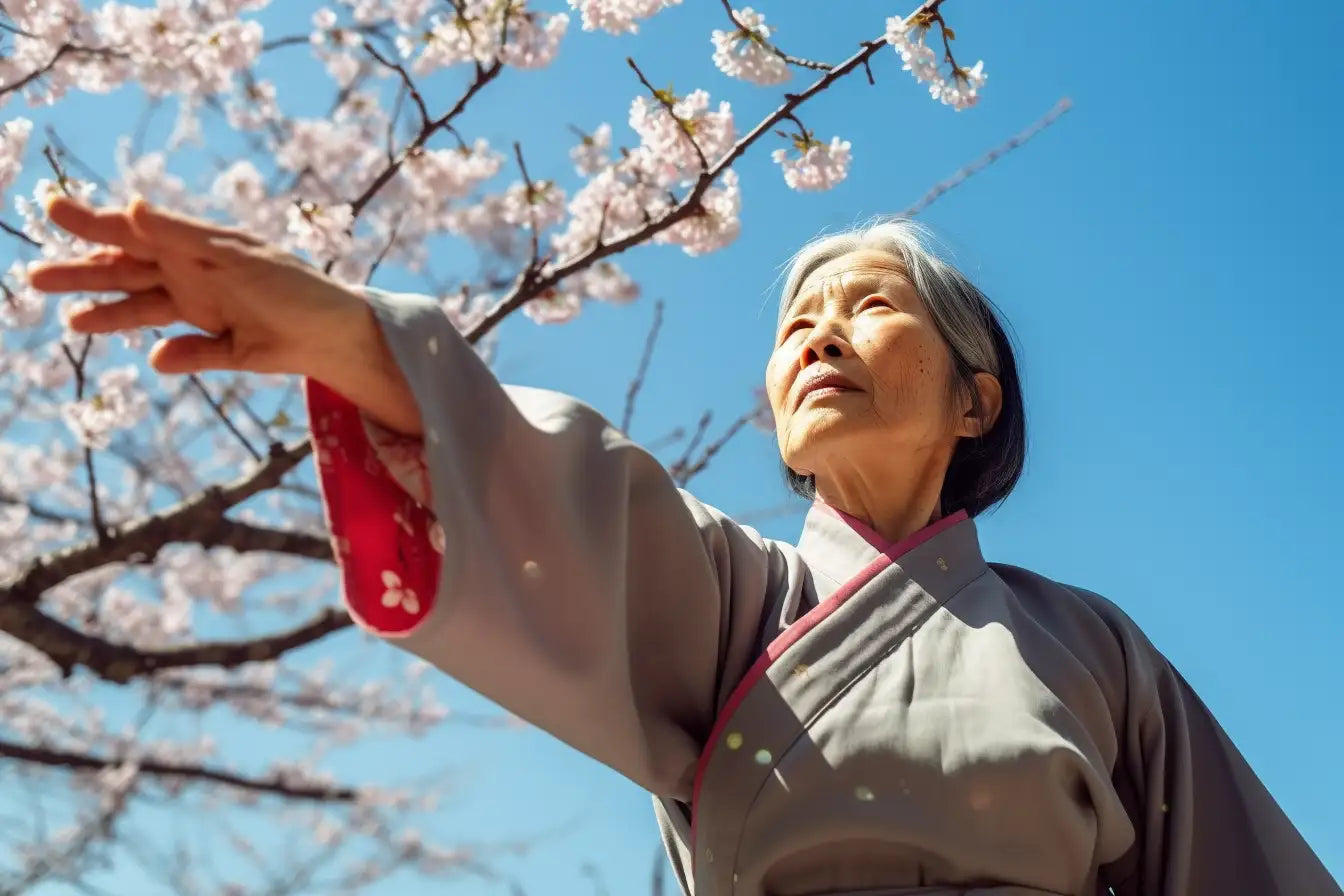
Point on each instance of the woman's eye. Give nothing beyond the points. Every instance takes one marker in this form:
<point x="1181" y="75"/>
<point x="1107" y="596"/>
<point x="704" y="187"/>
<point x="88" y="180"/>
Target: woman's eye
<point x="795" y="328"/>
<point x="872" y="302"/>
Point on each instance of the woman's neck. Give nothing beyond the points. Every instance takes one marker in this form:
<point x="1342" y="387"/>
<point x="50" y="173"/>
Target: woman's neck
<point x="896" y="503"/>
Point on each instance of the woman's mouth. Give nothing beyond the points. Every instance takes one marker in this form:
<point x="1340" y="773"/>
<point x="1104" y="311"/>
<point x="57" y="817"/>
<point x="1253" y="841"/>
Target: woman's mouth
<point x="824" y="384"/>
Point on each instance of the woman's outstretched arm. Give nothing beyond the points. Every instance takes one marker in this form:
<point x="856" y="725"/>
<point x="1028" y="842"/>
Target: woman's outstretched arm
<point x="577" y="586"/>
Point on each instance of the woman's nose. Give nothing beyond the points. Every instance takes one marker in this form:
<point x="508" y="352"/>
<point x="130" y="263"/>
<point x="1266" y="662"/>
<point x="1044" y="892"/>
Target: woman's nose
<point x="826" y="341"/>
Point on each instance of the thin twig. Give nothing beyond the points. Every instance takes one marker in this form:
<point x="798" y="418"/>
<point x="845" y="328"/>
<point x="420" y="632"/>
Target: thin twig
<point x="219" y="410"/>
<point x="638" y="382"/>
<point x="405" y="80"/>
<point x="989" y="158"/>
<point x="84" y="762"/>
<point x="382" y="253"/>
<point x="534" y="263"/>
<point x="666" y="102"/>
<point x="689" y="471"/>
<point x="95" y="508"/>
<point x="756" y="38"/>
<point x="61" y="52"/>
<point x="19" y="234"/>
<point x="682" y="463"/>
<point x="484" y="75"/>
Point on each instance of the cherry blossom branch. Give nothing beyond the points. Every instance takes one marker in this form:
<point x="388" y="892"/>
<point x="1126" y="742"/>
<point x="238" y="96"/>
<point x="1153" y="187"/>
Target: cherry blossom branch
<point x="387" y="247"/>
<point x="484" y="75"/>
<point x="684" y="470"/>
<point x="68" y="647"/>
<point x="67" y="850"/>
<point x="273" y="784"/>
<point x="753" y="36"/>
<point x="524" y="291"/>
<point x="665" y="100"/>
<point x="405" y="80"/>
<point x="645" y="357"/>
<point x="61" y="52"/>
<point x="989" y="158"/>
<point x="701" y="427"/>
<point x="200" y="516"/>
<point x="534" y="263"/>
<point x="244" y="537"/>
<point x="294" y="40"/>
<point x="218" y="408"/>
<point x="19" y="234"/>
<point x="95" y="509"/>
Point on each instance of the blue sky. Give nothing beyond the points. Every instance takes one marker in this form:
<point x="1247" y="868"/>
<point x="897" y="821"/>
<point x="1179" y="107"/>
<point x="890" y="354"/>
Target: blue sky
<point x="1164" y="255"/>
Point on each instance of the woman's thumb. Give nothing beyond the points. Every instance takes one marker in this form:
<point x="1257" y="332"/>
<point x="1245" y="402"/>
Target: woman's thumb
<point x="193" y="353"/>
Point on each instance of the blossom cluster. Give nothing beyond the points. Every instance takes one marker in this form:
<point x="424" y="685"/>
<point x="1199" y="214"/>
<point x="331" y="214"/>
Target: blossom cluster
<point x="617" y="16"/>
<point x="478" y="31"/>
<point x="960" y="91"/>
<point x="746" y="52"/>
<point x="818" y="166"/>
<point x="13" y="141"/>
<point x="117" y="403"/>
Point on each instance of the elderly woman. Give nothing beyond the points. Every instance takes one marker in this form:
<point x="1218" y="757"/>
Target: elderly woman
<point x="876" y="710"/>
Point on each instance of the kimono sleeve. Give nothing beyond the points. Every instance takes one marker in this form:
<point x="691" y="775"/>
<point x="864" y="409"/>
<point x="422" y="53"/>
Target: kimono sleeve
<point x="1204" y="821"/>
<point x="572" y="583"/>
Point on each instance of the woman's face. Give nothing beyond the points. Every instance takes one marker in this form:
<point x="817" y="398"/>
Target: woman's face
<point x="859" y="318"/>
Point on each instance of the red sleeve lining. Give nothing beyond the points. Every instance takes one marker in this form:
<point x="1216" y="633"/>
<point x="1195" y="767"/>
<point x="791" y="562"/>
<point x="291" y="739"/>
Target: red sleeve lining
<point x="387" y="545"/>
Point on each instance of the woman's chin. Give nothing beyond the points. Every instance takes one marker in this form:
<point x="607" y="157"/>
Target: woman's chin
<point x="825" y="434"/>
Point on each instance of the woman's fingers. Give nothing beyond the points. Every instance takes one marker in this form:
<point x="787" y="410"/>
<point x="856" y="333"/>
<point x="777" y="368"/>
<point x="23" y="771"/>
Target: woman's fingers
<point x="150" y="308"/>
<point x="108" y="226"/>
<point x="105" y="271"/>
<point x="145" y="231"/>
<point x="193" y="353"/>
<point x="193" y="236"/>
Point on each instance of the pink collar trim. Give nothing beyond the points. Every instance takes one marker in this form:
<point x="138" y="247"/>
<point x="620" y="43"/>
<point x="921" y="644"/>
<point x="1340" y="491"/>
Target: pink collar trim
<point x="888" y="553"/>
<point x="882" y="545"/>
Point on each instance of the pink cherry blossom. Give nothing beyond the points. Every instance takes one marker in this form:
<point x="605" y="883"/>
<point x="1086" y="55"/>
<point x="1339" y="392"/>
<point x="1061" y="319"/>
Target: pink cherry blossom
<point x="555" y="306"/>
<point x="617" y="16"/>
<point x="593" y="152"/>
<point x="118" y="402"/>
<point x="253" y="107"/>
<point x="322" y="231"/>
<point x="960" y="91"/>
<point x="717" y="224"/>
<point x="743" y="53"/>
<point x="148" y="176"/>
<point x="21" y="306"/>
<point x="240" y="192"/>
<point x="475" y="32"/>
<point x="819" y="167"/>
<point x="13" y="141"/>
<point x="606" y="282"/>
<point x="667" y="152"/>
<point x="436" y="176"/>
<point x="543" y="206"/>
<point x="616" y="202"/>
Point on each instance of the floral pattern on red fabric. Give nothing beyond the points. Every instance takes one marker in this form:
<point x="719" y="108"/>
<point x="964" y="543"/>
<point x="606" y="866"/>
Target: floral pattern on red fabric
<point x="375" y="493"/>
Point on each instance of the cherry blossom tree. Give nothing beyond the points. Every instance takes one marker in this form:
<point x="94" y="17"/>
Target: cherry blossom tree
<point x="163" y="558"/>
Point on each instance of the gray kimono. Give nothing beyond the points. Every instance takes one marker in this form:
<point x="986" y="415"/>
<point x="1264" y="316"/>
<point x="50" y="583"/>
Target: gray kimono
<point x="842" y="717"/>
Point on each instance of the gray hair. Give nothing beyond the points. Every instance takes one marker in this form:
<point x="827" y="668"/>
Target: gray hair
<point x="983" y="470"/>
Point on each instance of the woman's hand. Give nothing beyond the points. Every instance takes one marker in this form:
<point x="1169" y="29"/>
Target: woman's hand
<point x="261" y="309"/>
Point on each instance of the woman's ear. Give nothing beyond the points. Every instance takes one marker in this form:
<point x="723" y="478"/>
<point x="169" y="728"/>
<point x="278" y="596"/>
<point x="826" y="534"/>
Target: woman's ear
<point x="978" y="418"/>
